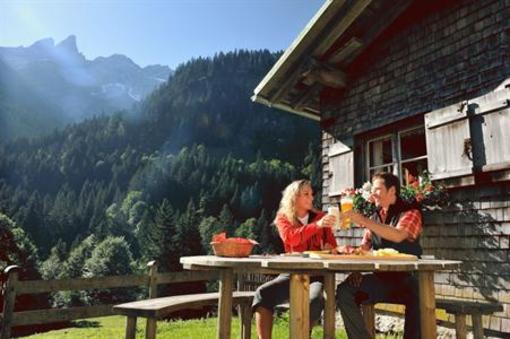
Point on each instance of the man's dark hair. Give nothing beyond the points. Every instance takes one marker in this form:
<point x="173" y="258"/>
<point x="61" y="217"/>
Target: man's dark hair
<point x="389" y="181"/>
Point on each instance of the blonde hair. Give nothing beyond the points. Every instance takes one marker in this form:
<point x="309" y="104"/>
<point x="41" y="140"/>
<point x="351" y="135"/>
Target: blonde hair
<point x="289" y="196"/>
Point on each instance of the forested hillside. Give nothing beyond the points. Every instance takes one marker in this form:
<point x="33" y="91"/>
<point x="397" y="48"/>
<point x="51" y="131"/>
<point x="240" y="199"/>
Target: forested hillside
<point x="198" y="157"/>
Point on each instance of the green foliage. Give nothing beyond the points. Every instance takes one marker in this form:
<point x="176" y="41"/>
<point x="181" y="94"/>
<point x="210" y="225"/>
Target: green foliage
<point x="110" y="257"/>
<point x="247" y="229"/>
<point x="73" y="266"/>
<point x="16" y="248"/>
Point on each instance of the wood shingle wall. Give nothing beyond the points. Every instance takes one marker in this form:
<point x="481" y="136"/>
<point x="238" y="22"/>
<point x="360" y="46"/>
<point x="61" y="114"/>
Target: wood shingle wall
<point x="476" y="230"/>
<point x="425" y="63"/>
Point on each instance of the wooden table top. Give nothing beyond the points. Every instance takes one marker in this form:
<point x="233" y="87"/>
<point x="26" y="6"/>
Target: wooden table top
<point x="289" y="263"/>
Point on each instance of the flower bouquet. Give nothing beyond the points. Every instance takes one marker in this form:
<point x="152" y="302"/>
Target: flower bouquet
<point x="361" y="199"/>
<point x="424" y="192"/>
<point x="421" y="190"/>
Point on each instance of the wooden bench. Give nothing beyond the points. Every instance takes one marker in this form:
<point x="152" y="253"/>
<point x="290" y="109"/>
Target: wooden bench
<point x="157" y="308"/>
<point x="459" y="308"/>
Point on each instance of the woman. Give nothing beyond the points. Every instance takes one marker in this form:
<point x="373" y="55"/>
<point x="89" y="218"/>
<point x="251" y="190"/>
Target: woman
<point x="301" y="228"/>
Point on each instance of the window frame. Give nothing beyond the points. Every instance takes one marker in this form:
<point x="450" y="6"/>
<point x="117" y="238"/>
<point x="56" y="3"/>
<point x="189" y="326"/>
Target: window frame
<point x="394" y="132"/>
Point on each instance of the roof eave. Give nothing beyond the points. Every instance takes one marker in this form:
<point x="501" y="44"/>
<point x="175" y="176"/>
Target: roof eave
<point x="303" y="113"/>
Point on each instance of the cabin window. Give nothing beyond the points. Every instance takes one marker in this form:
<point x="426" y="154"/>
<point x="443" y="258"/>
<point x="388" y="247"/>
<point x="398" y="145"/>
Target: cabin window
<point x="401" y="152"/>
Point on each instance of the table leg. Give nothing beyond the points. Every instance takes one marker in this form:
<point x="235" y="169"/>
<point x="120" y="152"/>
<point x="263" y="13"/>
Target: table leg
<point x="477" y="325"/>
<point x="225" y="303"/>
<point x="427" y="304"/>
<point x="329" y="306"/>
<point x="299" y="306"/>
<point x="131" y="327"/>
<point x="460" y="326"/>
<point x="150" y="330"/>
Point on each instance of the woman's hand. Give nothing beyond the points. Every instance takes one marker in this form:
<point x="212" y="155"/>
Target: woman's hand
<point x="328" y="247"/>
<point x="327" y="221"/>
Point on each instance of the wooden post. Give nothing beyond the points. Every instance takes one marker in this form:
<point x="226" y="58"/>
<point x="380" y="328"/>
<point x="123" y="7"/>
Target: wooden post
<point x="330" y="306"/>
<point x="477" y="326"/>
<point x="150" y="328"/>
<point x="368" y="311"/>
<point x="131" y="327"/>
<point x="241" y="282"/>
<point x="427" y="304"/>
<point x="245" y="324"/>
<point x="460" y="326"/>
<point x="153" y="284"/>
<point x="299" y="306"/>
<point x="9" y="299"/>
<point x="225" y="303"/>
<point x="245" y="315"/>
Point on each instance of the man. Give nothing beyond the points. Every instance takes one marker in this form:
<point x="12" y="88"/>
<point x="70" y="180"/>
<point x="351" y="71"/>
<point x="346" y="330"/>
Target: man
<point x="396" y="225"/>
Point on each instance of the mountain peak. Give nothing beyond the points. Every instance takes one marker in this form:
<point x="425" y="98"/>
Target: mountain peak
<point x="69" y="44"/>
<point x="43" y="43"/>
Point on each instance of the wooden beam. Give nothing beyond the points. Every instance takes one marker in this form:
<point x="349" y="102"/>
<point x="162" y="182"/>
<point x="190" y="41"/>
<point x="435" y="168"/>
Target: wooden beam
<point x="347" y="52"/>
<point x="332" y="78"/>
<point x="309" y="94"/>
<point x="285" y="86"/>
<point x="9" y="292"/>
<point x="325" y="74"/>
<point x="352" y="14"/>
<point x="61" y="314"/>
<point x="78" y="284"/>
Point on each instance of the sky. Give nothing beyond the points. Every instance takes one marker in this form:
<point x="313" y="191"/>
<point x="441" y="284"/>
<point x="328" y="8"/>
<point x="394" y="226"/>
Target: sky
<point x="167" y="32"/>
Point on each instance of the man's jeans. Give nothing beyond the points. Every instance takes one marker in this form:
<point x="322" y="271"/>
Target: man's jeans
<point x="388" y="287"/>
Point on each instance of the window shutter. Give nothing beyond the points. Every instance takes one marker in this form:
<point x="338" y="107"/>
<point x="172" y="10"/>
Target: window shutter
<point x="448" y="142"/>
<point x="490" y="127"/>
<point x="341" y="168"/>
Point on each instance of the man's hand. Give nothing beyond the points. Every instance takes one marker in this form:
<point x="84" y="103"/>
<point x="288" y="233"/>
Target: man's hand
<point x="327" y="221"/>
<point x="355" y="217"/>
<point x="355" y="279"/>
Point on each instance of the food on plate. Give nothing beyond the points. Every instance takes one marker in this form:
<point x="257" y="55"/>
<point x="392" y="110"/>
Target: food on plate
<point x="384" y="252"/>
<point x="318" y="252"/>
<point x="348" y="249"/>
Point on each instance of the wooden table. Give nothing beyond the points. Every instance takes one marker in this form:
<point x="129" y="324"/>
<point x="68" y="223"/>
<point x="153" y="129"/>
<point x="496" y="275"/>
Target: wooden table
<point x="300" y="270"/>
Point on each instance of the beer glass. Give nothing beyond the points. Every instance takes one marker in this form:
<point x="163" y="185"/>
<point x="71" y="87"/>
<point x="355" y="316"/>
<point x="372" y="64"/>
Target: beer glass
<point x="346" y="204"/>
<point x="334" y="210"/>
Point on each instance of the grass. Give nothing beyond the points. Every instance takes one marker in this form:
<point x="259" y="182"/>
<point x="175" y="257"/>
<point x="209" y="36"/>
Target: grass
<point x="114" y="327"/>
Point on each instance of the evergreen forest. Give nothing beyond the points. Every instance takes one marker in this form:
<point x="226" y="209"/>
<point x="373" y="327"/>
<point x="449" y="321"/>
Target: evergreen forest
<point x="196" y="157"/>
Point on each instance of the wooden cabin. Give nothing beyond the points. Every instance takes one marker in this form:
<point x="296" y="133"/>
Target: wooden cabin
<point x="407" y="86"/>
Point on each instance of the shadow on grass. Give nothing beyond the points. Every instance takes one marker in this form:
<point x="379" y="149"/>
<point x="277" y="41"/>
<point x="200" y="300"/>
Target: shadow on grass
<point x="86" y="324"/>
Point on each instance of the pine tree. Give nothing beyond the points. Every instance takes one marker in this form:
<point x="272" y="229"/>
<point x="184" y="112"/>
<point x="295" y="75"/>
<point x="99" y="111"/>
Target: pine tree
<point x="187" y="237"/>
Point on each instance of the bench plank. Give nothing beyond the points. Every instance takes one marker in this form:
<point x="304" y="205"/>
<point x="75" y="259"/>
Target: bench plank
<point x="454" y="306"/>
<point x="160" y="307"/>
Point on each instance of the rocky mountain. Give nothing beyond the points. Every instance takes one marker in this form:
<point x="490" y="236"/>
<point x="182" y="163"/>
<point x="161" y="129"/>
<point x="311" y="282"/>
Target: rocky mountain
<point x="77" y="87"/>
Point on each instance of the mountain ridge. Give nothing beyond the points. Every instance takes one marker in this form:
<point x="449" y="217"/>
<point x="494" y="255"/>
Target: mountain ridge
<point x="80" y="88"/>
